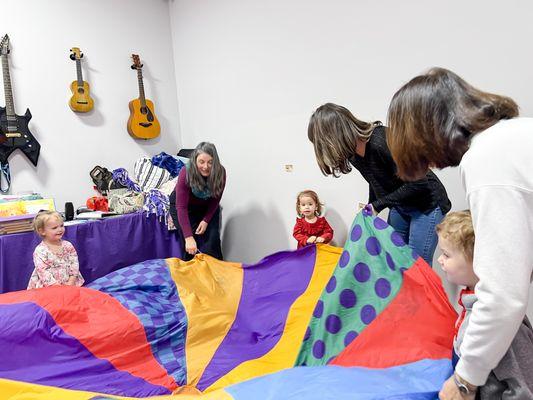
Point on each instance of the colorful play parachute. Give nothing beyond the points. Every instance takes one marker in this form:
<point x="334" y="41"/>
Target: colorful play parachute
<point x="370" y="321"/>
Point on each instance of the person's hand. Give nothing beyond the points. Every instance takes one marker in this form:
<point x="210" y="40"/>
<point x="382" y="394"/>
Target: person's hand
<point x="190" y="246"/>
<point x="311" y="239"/>
<point x="372" y="209"/>
<point x="71" y="281"/>
<point x="202" y="226"/>
<point x="450" y="391"/>
<point x="319" y="239"/>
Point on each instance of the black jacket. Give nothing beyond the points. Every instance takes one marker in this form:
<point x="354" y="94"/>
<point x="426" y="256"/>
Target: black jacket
<point x="387" y="190"/>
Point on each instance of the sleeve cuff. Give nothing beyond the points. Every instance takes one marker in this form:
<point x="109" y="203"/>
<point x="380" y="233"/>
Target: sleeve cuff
<point x="473" y="374"/>
<point x="378" y="206"/>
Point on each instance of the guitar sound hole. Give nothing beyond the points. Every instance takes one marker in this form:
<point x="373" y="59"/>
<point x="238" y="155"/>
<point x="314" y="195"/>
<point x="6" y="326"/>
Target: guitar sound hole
<point x="81" y="91"/>
<point x="144" y="110"/>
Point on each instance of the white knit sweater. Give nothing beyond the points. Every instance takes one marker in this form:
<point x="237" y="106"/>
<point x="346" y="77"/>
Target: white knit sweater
<point x="497" y="174"/>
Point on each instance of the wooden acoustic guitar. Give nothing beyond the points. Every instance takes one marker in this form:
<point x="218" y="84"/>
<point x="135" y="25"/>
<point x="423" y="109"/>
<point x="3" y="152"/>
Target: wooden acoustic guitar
<point x="15" y="133"/>
<point x="143" y="123"/>
<point x="81" y="100"/>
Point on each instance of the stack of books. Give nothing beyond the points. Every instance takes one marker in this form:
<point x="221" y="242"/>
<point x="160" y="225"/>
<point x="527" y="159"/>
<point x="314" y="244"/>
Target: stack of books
<point x="20" y="207"/>
<point x="16" y="224"/>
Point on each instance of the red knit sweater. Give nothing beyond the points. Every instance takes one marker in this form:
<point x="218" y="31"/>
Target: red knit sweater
<point x="303" y="230"/>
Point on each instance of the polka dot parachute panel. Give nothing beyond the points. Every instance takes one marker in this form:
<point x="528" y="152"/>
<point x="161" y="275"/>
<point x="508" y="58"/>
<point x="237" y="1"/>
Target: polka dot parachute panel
<point x="366" y="279"/>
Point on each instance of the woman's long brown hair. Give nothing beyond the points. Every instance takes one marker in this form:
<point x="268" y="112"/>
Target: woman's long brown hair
<point x="334" y="130"/>
<point x="433" y="117"/>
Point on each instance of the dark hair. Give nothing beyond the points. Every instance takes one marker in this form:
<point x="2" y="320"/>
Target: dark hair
<point x="312" y="194"/>
<point x="216" y="180"/>
<point x="433" y="117"/>
<point x="334" y="130"/>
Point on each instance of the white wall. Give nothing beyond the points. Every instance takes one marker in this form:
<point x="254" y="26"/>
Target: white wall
<point x="250" y="73"/>
<point x="107" y="31"/>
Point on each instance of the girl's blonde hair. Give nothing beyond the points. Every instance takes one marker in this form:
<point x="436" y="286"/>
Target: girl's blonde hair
<point x="312" y="195"/>
<point x="457" y="227"/>
<point x="42" y="217"/>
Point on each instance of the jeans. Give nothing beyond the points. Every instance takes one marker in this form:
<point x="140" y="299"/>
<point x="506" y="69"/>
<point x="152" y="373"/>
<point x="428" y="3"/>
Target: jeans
<point x="417" y="229"/>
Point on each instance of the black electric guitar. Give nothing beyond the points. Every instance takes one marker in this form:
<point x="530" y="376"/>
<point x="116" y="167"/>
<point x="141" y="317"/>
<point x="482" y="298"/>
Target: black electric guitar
<point x="14" y="132"/>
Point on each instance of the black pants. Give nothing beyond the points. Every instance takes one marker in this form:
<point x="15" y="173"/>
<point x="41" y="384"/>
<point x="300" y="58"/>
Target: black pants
<point x="209" y="241"/>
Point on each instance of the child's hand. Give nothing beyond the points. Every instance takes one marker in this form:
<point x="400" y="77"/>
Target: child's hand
<point x="311" y="239"/>
<point x="319" y="239"/>
<point x="71" y="281"/>
<point x="190" y="246"/>
<point x="202" y="226"/>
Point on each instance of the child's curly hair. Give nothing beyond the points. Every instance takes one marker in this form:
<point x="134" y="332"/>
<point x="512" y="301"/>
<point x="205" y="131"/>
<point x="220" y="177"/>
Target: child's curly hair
<point x="314" y="196"/>
<point x="42" y="217"/>
<point x="457" y="227"/>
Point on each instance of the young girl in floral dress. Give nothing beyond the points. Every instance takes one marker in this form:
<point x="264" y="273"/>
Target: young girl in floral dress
<point x="55" y="259"/>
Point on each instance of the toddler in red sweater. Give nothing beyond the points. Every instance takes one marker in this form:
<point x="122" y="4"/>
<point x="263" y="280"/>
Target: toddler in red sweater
<point x="310" y="226"/>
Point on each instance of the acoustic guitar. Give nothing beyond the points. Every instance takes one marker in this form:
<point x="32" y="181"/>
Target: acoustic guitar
<point x="81" y="100"/>
<point x="143" y="123"/>
<point x="15" y="133"/>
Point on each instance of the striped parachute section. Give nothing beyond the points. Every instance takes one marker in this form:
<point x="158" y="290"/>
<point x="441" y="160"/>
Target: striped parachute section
<point x="369" y="321"/>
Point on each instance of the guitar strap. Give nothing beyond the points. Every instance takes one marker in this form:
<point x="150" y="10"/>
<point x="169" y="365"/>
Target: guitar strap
<point x="6" y="174"/>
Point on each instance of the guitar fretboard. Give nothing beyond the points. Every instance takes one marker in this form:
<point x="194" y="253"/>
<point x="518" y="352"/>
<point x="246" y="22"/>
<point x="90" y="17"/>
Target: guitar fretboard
<point x="10" y="108"/>
<point x="79" y="73"/>
<point x="141" y="87"/>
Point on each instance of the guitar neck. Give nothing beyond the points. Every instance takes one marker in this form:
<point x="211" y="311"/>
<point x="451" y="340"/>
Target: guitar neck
<point x="10" y="109"/>
<point x="79" y="73"/>
<point x="141" y="87"/>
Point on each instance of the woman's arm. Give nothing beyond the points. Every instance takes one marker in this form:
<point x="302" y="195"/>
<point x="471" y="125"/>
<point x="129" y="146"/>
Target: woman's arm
<point x="182" y="203"/>
<point x="371" y="194"/>
<point x="503" y="262"/>
<point x="402" y="195"/>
